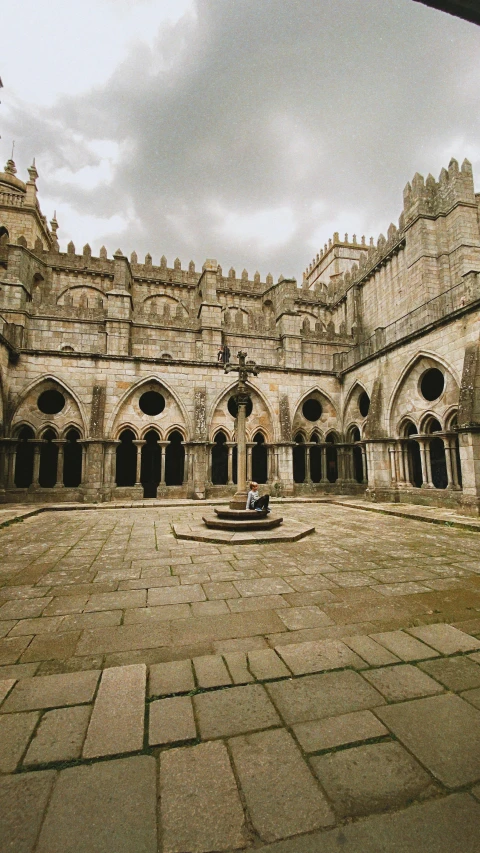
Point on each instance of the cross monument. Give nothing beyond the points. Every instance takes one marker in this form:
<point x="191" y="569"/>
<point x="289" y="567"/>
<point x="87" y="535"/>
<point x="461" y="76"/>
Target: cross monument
<point x="242" y="397"/>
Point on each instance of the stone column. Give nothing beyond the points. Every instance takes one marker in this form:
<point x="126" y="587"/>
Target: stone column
<point x="109" y="465"/>
<point x="393" y="472"/>
<point x="230" y="446"/>
<point x="364" y="466"/>
<point x="36" y="462"/>
<point x="60" y="442"/>
<point x="138" y="444"/>
<point x="308" y="468"/>
<point x="186" y="464"/>
<point x="240" y="498"/>
<point x="270" y="462"/>
<point x="11" y="454"/>
<point x="323" y="450"/>
<point x="163" y="447"/>
<point x="209" y="463"/>
<point x="425" y="462"/>
<point x="250" y="446"/>
<point x="400" y="461"/>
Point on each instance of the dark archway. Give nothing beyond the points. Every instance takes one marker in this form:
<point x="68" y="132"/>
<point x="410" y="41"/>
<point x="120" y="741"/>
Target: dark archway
<point x="72" y="460"/>
<point x="150" y="472"/>
<point x="357" y="454"/>
<point x="315" y="460"/>
<point x="299" y="459"/>
<point x="174" y="459"/>
<point x="438" y="463"/>
<point x="48" y="460"/>
<point x="126" y="461"/>
<point x="24" y="459"/>
<point x="259" y="459"/>
<point x="332" y="459"/>
<point x="220" y="460"/>
<point x="413" y="454"/>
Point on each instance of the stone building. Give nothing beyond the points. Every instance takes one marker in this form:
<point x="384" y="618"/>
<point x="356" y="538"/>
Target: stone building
<point x="369" y="383"/>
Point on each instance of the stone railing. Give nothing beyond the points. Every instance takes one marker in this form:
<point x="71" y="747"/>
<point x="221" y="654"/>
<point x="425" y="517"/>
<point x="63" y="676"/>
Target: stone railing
<point x="12" y="199"/>
<point x="438" y="308"/>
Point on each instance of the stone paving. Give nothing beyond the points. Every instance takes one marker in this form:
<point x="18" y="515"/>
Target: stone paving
<point x="177" y="697"/>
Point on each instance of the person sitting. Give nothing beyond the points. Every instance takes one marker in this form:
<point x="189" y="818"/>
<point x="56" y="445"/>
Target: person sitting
<point x="254" y="501"/>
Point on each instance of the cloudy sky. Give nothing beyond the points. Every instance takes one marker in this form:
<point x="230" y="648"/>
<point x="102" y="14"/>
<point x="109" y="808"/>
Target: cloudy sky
<point x="245" y="130"/>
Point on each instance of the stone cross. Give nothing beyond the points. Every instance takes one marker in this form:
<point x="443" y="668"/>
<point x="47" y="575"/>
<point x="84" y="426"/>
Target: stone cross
<point x="241" y="395"/>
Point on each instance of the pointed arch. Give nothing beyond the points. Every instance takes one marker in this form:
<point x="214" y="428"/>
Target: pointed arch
<point x="148" y="428"/>
<point x="50" y="377"/>
<point x="255" y="391"/>
<point x="314" y="389"/>
<point x="409" y="367"/>
<point x="356" y="386"/>
<point x="151" y="378"/>
<point x="122" y="427"/>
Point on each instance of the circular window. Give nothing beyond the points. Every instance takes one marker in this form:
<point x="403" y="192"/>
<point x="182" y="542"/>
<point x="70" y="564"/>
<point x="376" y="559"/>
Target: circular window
<point x="312" y="410"/>
<point x="51" y="402"/>
<point x="152" y="403"/>
<point x="364" y="404"/>
<point x="432" y="384"/>
<point x="233" y="408"/>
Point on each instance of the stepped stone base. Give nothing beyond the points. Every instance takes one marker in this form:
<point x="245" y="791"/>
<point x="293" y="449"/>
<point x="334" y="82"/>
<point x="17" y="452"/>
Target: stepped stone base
<point x="288" y="531"/>
<point x="245" y="524"/>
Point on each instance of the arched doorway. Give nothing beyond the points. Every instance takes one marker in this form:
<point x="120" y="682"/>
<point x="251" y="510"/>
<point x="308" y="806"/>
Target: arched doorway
<point x="48" y="460"/>
<point x="220" y="460"/>
<point x="413" y="456"/>
<point x="24" y="459"/>
<point x="259" y="459"/>
<point x="315" y="460"/>
<point x="150" y="472"/>
<point x="299" y="459"/>
<point x="174" y="459"/>
<point x="332" y="458"/>
<point x="72" y="460"/>
<point x="357" y="455"/>
<point x="126" y="459"/>
<point x="438" y="462"/>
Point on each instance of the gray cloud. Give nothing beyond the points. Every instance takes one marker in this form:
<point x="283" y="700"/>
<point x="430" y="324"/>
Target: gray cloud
<point x="308" y="115"/>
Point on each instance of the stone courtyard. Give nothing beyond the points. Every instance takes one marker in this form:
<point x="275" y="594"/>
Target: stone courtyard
<point x="301" y="697"/>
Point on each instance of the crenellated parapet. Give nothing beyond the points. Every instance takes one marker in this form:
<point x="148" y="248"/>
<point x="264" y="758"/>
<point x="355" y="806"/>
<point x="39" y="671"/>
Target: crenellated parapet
<point x="431" y="198"/>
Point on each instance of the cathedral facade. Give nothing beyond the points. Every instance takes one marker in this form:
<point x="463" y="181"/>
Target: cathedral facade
<point x="112" y="370"/>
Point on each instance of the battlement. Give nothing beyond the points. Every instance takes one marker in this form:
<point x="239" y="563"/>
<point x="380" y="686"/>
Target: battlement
<point x="432" y="198"/>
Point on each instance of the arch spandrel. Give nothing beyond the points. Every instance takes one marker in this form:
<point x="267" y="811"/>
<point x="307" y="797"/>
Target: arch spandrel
<point x="174" y="415"/>
<point x="351" y="411"/>
<point x="328" y="419"/>
<point x="407" y="400"/>
<point x="27" y="411"/>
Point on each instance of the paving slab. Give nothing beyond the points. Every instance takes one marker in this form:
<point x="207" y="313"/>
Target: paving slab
<point x="448" y="825"/>
<point x="371" y="778"/>
<point x="171" y="677"/>
<point x="103" y="807"/>
<point x="319" y="656"/>
<point x="310" y="616"/>
<point x="52" y="691"/>
<point x="281" y="796"/>
<point x="404" y="646"/>
<point x="175" y="594"/>
<point x="262" y="586"/>
<point x="440" y="732"/>
<point x="15" y="733"/>
<point x="116" y="600"/>
<point x="265" y="664"/>
<point x="59" y="736"/>
<point x="320" y="735"/>
<point x="472" y="696"/>
<point x="11" y="648"/>
<point x="371" y="652"/>
<point x="458" y="673"/>
<point x="171" y="721"/>
<point x="5" y="687"/>
<point x="445" y="638"/>
<point x="210" y="671"/>
<point x="117" y="721"/>
<point x="199" y="802"/>
<point x="237" y="663"/>
<point x="234" y="711"/>
<point x="398" y="683"/>
<point x="317" y="696"/>
<point x="23" y="798"/>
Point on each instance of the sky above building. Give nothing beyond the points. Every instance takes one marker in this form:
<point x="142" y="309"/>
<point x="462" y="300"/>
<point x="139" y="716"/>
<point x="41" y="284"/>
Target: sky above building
<point x="245" y="130"/>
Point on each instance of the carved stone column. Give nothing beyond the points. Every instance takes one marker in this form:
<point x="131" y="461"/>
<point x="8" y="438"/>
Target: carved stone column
<point x="36" y="462"/>
<point x="250" y="446"/>
<point x="308" y="467"/>
<point x="138" y="444"/>
<point x="60" y="442"/>
<point x="323" y="450"/>
<point x="230" y="446"/>
<point x="425" y="462"/>
<point x="163" y="448"/>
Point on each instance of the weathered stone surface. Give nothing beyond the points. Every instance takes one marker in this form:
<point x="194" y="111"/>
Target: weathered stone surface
<point x="448" y="825"/>
<point x="445" y="638"/>
<point x="472" y="696"/>
<point x="404" y="646"/>
<point x="199" y="802"/>
<point x="5" y="687"/>
<point x="371" y="778"/>
<point x="329" y="733"/>
<point x="23" y="798"/>
<point x="15" y="732"/>
<point x="318" y="656"/>
<point x="371" y="652"/>
<point x="103" y="807"/>
<point x="238" y="668"/>
<point x="405" y="681"/>
<point x="262" y="586"/>
<point x="265" y="664"/>
<point x="438" y="731"/>
<point x="234" y="711"/>
<point x="211" y="671"/>
<point x="117" y="722"/>
<point x="458" y="673"/>
<point x="170" y="677"/>
<point x="281" y="796"/>
<point x="318" y="696"/>
<point x="175" y="594"/>
<point x="171" y="721"/>
<point x="59" y="736"/>
<point x="116" y="600"/>
<point x="52" y="691"/>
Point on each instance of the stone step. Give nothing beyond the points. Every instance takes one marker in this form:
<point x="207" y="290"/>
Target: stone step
<point x="243" y="524"/>
<point x="240" y="514"/>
